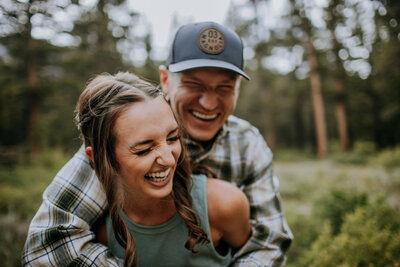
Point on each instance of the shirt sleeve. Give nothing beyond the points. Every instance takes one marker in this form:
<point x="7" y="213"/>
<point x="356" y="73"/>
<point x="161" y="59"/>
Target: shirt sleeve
<point x="60" y="232"/>
<point x="271" y="236"/>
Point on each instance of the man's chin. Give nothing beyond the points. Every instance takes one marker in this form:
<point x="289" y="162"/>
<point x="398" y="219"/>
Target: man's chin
<point x="201" y="135"/>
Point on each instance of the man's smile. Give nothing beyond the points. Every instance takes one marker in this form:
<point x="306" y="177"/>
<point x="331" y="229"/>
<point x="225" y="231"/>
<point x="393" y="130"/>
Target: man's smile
<point x="202" y="116"/>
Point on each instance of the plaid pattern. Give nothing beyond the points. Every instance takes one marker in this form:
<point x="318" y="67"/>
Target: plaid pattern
<point x="60" y="235"/>
<point x="240" y="155"/>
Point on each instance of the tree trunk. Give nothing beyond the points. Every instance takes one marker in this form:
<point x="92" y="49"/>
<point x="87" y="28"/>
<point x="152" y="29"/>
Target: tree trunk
<point x="265" y="94"/>
<point x="339" y="80"/>
<point x="33" y="101"/>
<point x="317" y="100"/>
<point x="341" y="115"/>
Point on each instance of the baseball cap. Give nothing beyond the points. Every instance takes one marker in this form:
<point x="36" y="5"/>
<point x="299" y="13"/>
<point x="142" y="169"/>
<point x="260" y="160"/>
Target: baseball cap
<point x="206" y="44"/>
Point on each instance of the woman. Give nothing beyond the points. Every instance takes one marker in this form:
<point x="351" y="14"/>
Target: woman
<point x="159" y="214"/>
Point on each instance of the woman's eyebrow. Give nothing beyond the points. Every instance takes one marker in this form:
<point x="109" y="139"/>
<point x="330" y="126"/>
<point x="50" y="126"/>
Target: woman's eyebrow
<point x="145" y="142"/>
<point x="173" y="131"/>
<point x="149" y="141"/>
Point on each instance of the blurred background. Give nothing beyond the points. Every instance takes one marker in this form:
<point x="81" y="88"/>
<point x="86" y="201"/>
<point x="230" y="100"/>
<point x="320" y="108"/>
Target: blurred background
<point x="325" y="93"/>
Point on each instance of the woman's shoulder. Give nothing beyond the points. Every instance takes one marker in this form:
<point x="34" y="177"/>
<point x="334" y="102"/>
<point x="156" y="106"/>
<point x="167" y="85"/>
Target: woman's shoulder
<point x="225" y="201"/>
<point x="228" y="212"/>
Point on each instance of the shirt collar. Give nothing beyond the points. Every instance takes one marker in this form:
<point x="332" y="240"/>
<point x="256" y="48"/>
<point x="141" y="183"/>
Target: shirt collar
<point x="221" y="134"/>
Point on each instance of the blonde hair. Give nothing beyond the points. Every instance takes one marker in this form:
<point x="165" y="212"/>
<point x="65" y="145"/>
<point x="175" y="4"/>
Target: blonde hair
<point x="98" y="107"/>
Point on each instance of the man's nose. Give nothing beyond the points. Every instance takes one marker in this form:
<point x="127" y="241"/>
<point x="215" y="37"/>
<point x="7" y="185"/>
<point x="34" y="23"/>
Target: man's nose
<point x="165" y="156"/>
<point x="208" y="100"/>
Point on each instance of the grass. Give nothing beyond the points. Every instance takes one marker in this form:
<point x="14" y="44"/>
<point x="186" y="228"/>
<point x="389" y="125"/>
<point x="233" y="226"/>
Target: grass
<point x="304" y="184"/>
<point x="304" y="181"/>
<point x="21" y="189"/>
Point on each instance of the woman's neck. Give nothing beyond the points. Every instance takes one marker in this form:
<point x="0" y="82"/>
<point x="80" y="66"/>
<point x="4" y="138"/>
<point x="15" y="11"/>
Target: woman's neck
<point x="150" y="212"/>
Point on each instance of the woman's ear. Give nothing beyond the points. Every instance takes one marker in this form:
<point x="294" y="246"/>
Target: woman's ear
<point x="89" y="152"/>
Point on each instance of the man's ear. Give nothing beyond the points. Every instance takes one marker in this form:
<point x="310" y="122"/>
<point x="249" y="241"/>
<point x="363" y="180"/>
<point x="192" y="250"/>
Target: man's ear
<point x="163" y="78"/>
<point x="237" y="88"/>
<point x="89" y="152"/>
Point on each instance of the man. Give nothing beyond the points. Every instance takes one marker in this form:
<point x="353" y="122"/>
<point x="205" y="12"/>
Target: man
<point x="201" y="79"/>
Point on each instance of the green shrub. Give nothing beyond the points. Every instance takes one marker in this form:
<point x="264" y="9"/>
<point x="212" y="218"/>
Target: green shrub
<point x="305" y="232"/>
<point x="12" y="239"/>
<point x="359" y="154"/>
<point x="291" y="155"/>
<point x="335" y="205"/>
<point x="389" y="158"/>
<point x="22" y="186"/>
<point x="369" y="236"/>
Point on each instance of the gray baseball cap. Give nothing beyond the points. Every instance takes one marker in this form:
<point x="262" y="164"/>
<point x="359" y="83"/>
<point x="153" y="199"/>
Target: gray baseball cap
<point x="206" y="44"/>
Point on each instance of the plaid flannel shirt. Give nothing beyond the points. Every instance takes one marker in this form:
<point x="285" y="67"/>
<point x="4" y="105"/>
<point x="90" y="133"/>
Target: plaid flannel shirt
<point x="60" y="234"/>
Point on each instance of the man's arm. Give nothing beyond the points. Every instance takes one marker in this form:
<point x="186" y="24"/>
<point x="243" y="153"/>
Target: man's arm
<point x="60" y="233"/>
<point x="271" y="236"/>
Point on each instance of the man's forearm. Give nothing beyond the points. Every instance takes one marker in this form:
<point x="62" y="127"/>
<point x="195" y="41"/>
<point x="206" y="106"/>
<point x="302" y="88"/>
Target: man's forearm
<point x="271" y="236"/>
<point x="60" y="233"/>
<point x="258" y="252"/>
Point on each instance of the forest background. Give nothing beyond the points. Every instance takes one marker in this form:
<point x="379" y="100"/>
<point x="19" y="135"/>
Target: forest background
<point x="325" y="93"/>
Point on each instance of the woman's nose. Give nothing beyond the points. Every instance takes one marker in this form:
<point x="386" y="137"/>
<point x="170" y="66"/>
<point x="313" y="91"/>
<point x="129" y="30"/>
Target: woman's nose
<point x="165" y="157"/>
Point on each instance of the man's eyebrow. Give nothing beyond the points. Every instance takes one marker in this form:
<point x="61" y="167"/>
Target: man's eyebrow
<point x="188" y="76"/>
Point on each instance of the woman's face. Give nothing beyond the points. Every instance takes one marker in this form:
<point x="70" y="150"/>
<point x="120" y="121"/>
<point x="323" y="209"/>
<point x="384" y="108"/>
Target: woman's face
<point x="147" y="148"/>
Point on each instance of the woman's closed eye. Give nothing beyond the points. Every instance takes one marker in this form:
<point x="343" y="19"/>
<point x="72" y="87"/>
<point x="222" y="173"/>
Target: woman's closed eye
<point x="143" y="152"/>
<point x="174" y="138"/>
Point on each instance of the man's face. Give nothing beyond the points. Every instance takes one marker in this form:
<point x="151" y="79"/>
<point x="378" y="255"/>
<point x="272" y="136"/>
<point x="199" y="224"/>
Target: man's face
<point x="203" y="98"/>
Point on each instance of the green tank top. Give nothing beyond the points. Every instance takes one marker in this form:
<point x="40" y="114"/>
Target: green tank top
<point x="164" y="245"/>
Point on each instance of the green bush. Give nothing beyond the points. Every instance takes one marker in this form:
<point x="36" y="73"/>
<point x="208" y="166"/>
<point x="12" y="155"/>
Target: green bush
<point x="369" y="236"/>
<point x="22" y="186"/>
<point x="359" y="154"/>
<point x="12" y="239"/>
<point x="305" y="232"/>
<point x="389" y="158"/>
<point x="334" y="206"/>
<point x="21" y="189"/>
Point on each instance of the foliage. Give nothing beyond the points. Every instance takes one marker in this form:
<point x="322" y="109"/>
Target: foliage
<point x="336" y="205"/>
<point x="13" y="234"/>
<point x="318" y="199"/>
<point x="388" y="158"/>
<point x="21" y="186"/>
<point x="370" y="236"/>
<point x="361" y="152"/>
<point x="21" y="189"/>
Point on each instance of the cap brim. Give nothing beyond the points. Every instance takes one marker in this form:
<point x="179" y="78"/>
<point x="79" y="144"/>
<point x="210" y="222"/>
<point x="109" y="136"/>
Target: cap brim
<point x="204" y="63"/>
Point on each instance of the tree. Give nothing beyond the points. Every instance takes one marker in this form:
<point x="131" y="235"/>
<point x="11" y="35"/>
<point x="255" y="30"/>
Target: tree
<point x="303" y="21"/>
<point x="333" y="19"/>
<point x="384" y="82"/>
<point x="25" y="60"/>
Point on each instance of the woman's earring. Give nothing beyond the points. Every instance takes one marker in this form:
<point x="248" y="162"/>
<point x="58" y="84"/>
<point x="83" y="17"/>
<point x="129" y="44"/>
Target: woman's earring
<point x="166" y="97"/>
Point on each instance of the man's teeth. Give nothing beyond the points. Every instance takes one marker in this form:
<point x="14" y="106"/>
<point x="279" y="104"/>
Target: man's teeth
<point x="158" y="176"/>
<point x="204" y="116"/>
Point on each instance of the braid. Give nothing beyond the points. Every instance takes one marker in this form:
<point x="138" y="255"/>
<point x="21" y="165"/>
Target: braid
<point x="115" y="198"/>
<point x="183" y="204"/>
<point x="123" y="236"/>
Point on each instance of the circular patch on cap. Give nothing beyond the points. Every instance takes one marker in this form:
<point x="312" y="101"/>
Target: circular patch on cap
<point x="211" y="41"/>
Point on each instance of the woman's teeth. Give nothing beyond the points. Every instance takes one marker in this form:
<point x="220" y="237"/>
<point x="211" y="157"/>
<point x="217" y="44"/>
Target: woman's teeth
<point x="204" y="116"/>
<point x="158" y="176"/>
